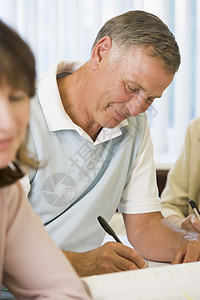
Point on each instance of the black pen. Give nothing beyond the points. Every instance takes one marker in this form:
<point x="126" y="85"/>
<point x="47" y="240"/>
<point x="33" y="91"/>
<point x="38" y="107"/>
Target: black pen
<point x="195" y="208"/>
<point x="108" y="228"/>
<point x="111" y="232"/>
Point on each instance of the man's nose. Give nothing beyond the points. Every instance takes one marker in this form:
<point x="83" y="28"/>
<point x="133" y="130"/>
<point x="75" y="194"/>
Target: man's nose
<point x="136" y="105"/>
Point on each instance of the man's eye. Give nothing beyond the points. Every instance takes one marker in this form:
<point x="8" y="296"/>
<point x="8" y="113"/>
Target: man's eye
<point x="130" y="89"/>
<point x="149" y="100"/>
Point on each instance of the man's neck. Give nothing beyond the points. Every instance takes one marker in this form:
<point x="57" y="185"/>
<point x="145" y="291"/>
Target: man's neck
<point x="69" y="88"/>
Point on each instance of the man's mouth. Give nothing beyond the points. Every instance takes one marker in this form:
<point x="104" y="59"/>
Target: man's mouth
<point x="119" y="114"/>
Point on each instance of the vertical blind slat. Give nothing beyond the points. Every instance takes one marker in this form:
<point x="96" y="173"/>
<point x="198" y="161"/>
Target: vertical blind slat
<point x="182" y="82"/>
<point x="197" y="73"/>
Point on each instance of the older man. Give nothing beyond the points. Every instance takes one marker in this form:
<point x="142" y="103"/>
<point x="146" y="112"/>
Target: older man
<point x="88" y="123"/>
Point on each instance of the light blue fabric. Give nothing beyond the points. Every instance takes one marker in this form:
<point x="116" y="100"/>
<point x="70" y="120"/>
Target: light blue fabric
<point x="77" y="169"/>
<point x="5" y="294"/>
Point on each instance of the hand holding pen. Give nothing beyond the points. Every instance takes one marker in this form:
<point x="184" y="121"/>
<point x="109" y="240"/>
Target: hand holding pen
<point x="192" y="222"/>
<point x="195" y="208"/>
<point x="111" y="232"/>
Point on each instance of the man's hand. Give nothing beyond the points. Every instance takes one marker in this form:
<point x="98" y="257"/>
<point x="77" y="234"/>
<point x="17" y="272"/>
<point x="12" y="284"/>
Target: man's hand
<point x="188" y="251"/>
<point x="161" y="240"/>
<point x="109" y="258"/>
<point x="191" y="223"/>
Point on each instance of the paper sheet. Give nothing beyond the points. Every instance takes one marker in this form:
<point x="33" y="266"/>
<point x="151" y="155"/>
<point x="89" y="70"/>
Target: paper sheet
<point x="172" y="282"/>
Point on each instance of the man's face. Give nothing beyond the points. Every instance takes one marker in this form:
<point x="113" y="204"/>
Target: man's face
<point x="126" y="87"/>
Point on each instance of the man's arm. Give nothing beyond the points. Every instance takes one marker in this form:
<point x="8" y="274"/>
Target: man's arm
<point x="175" y="220"/>
<point x="110" y="257"/>
<point x="156" y="239"/>
<point x="190" y="223"/>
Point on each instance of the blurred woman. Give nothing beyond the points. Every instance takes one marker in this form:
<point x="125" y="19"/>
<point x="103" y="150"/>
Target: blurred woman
<point x="183" y="183"/>
<point x="31" y="265"/>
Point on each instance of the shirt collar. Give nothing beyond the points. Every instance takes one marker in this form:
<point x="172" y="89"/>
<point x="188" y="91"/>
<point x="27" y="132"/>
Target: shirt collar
<point x="54" y="112"/>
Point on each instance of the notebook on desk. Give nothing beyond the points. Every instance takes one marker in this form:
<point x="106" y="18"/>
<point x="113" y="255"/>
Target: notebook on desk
<point x="170" y="282"/>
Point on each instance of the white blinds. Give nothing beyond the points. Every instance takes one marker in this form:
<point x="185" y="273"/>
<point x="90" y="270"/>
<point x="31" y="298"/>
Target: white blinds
<point x="57" y="29"/>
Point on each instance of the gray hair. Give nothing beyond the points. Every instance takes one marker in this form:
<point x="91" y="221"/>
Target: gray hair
<point x="140" y="28"/>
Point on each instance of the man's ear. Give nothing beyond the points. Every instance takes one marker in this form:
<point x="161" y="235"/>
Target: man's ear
<point x="100" y="51"/>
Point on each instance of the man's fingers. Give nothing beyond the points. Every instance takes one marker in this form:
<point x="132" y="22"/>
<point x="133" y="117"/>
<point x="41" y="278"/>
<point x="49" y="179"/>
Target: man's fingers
<point x="125" y="258"/>
<point x="191" y="223"/>
<point x="188" y="252"/>
<point x="125" y="264"/>
<point x="178" y="257"/>
<point x="195" y="223"/>
<point x="132" y="258"/>
<point x="192" y="253"/>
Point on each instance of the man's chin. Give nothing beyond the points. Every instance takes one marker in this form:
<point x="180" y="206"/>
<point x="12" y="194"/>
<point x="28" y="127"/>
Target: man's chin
<point x="112" y="124"/>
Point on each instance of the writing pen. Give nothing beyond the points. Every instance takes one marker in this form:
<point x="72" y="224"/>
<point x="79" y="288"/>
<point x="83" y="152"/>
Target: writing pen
<point x="108" y="228"/>
<point x="111" y="232"/>
<point x="195" y="208"/>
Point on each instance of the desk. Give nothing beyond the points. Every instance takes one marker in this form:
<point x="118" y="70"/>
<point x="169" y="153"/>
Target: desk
<point x="161" y="281"/>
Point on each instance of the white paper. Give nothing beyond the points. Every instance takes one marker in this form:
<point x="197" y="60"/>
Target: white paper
<point x="172" y="282"/>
